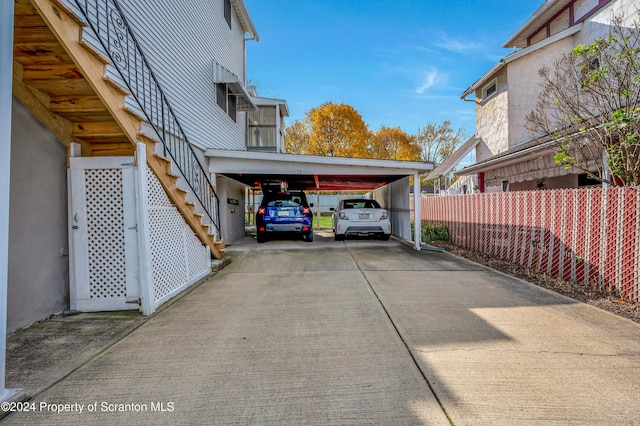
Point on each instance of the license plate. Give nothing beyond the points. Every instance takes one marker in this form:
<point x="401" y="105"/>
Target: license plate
<point x="281" y="213"/>
<point x="363" y="216"/>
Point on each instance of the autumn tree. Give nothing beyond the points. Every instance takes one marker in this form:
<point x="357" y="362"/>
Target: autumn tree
<point x="338" y="130"/>
<point x="589" y="104"/>
<point x="394" y="144"/>
<point x="439" y="141"/>
<point x="297" y="138"/>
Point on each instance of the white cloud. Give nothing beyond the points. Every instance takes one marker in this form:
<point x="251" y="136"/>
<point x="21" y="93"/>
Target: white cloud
<point x="431" y="78"/>
<point x="457" y="46"/>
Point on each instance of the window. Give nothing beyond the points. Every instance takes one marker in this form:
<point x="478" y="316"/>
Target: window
<point x="586" y="68"/>
<point x="364" y="204"/>
<point x="262" y="127"/>
<point x="227" y="11"/>
<point x="221" y="95"/>
<point x="490" y="90"/>
<point x="226" y="100"/>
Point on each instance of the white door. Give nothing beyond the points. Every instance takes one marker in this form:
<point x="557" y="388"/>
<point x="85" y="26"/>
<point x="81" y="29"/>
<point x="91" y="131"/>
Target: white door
<point x="103" y="240"/>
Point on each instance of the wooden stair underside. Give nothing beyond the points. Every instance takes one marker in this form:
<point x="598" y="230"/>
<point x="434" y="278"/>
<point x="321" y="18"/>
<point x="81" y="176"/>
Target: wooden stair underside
<point x="63" y="84"/>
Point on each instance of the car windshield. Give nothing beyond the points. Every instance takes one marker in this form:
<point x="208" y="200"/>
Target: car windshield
<point x="361" y="204"/>
<point x="286" y="200"/>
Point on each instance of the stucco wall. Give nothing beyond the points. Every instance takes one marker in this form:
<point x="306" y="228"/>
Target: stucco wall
<point x="492" y="126"/>
<point x="38" y="243"/>
<point x="231" y="222"/>
<point x="524" y="86"/>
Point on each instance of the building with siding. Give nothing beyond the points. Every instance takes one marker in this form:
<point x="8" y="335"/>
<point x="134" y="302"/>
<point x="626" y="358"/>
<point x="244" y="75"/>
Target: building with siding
<point x="114" y="104"/>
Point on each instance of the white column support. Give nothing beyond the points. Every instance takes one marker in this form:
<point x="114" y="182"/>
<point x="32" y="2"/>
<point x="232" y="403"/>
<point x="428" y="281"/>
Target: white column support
<point x="318" y="207"/>
<point x="6" y="99"/>
<point x="417" y="221"/>
<point x="145" y="270"/>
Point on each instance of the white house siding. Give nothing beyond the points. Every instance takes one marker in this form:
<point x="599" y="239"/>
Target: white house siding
<point x="181" y="40"/>
<point x="231" y="215"/>
<point x="38" y="244"/>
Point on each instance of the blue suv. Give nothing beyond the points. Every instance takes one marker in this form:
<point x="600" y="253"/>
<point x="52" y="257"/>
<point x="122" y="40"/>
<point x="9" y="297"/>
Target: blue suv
<point x="284" y="213"/>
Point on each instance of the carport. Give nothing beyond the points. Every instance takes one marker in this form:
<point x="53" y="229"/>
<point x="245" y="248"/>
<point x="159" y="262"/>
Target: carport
<point x="388" y="179"/>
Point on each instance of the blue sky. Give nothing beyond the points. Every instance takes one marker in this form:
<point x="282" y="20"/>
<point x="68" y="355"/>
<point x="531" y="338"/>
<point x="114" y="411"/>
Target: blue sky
<point x="401" y="63"/>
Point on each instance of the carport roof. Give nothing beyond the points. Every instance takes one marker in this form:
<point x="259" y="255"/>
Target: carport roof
<point x="310" y="172"/>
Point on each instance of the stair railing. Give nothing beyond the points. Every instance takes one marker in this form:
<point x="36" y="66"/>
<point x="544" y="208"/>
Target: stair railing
<point x="107" y="21"/>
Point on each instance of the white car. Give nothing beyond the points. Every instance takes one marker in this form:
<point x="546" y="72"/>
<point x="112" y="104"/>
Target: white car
<point x="360" y="217"/>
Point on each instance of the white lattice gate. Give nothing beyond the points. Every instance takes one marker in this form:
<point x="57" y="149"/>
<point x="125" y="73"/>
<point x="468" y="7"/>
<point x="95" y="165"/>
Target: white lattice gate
<point x="129" y="246"/>
<point x="103" y="234"/>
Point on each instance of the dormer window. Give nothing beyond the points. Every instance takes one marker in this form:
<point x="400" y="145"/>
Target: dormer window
<point x="490" y="90"/>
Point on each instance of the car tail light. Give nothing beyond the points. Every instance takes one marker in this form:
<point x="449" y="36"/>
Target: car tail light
<point x="305" y="228"/>
<point x="261" y="210"/>
<point x="306" y="210"/>
<point x="384" y="215"/>
<point x="262" y="229"/>
<point x="343" y="215"/>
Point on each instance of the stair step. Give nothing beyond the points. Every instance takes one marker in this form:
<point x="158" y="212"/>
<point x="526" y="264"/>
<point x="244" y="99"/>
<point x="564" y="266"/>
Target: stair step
<point x="116" y="86"/>
<point x="146" y="138"/>
<point x="162" y="159"/>
<point x="173" y="176"/>
<point x="133" y="113"/>
<point x="95" y="51"/>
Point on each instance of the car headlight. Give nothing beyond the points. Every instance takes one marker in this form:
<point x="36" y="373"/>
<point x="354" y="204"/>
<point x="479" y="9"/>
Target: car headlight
<point x="384" y="215"/>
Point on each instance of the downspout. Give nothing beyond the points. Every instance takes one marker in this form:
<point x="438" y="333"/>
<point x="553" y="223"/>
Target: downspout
<point x="6" y="99"/>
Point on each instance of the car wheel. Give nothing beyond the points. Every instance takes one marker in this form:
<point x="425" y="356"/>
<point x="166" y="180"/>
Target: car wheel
<point x="309" y="237"/>
<point x="261" y="237"/>
<point x="385" y="237"/>
<point x="338" y="237"/>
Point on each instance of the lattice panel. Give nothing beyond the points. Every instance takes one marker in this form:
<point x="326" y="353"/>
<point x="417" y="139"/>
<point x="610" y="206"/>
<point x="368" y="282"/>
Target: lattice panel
<point x="167" y="252"/>
<point x="197" y="254"/>
<point x="157" y="195"/>
<point x="105" y="229"/>
<point x="177" y="255"/>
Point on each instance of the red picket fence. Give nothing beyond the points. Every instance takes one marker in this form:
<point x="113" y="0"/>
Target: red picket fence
<point x="586" y="236"/>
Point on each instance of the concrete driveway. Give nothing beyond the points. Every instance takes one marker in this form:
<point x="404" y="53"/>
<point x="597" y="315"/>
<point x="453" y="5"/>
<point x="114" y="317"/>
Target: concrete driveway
<point x="359" y="332"/>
